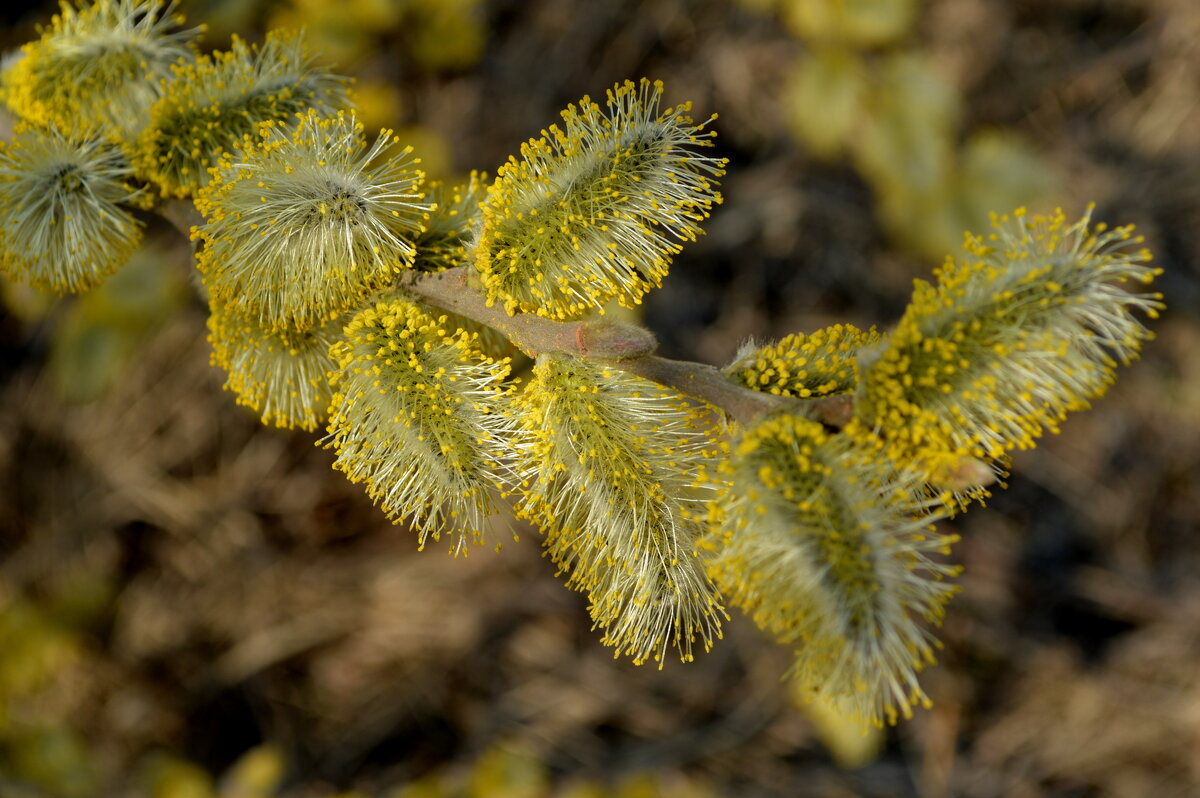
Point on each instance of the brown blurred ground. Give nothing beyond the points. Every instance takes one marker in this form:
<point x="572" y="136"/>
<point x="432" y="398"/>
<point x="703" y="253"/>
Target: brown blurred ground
<point x="235" y="590"/>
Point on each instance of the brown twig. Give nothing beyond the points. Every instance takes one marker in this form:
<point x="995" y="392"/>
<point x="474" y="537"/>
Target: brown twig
<point x="531" y="334"/>
<point x="705" y="382"/>
<point x="624" y="346"/>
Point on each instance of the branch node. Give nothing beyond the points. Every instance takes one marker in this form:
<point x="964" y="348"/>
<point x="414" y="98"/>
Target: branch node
<point x="606" y="339"/>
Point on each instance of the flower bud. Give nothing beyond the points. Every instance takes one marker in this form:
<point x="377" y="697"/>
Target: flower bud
<point x="606" y="339"/>
<point x="821" y="363"/>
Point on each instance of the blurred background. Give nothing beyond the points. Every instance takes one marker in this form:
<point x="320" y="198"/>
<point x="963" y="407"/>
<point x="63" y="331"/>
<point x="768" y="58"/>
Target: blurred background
<point x="192" y="605"/>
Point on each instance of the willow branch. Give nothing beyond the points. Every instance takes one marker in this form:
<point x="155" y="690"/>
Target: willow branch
<point x="705" y="382"/>
<point x="182" y="214"/>
<point x="623" y="346"/>
<point x="531" y="334"/>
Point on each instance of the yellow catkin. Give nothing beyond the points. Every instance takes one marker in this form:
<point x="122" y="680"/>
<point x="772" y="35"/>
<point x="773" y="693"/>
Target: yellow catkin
<point x="308" y="222"/>
<point x="594" y="210"/>
<point x="63" y="224"/>
<point x="828" y="546"/>
<point x="801" y="366"/>
<point x="98" y="67"/>
<point x="1027" y="326"/>
<point x="612" y="469"/>
<point x="418" y="416"/>
<point x="211" y="104"/>
<point x="456" y="214"/>
<point x="280" y="374"/>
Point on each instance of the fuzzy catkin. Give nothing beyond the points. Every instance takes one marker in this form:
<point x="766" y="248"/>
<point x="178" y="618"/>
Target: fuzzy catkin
<point x="210" y="105"/>
<point x="62" y="222"/>
<point x="1029" y="325"/>
<point x="280" y="374"/>
<point x="828" y="545"/>
<point x="612" y="469"/>
<point x="99" y="66"/>
<point x="419" y="416"/>
<point x="454" y="219"/>
<point x="594" y="210"/>
<point x="821" y="363"/>
<point x="306" y="222"/>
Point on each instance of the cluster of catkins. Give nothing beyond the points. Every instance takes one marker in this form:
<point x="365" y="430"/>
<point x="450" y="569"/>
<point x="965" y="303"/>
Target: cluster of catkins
<point x="659" y="506"/>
